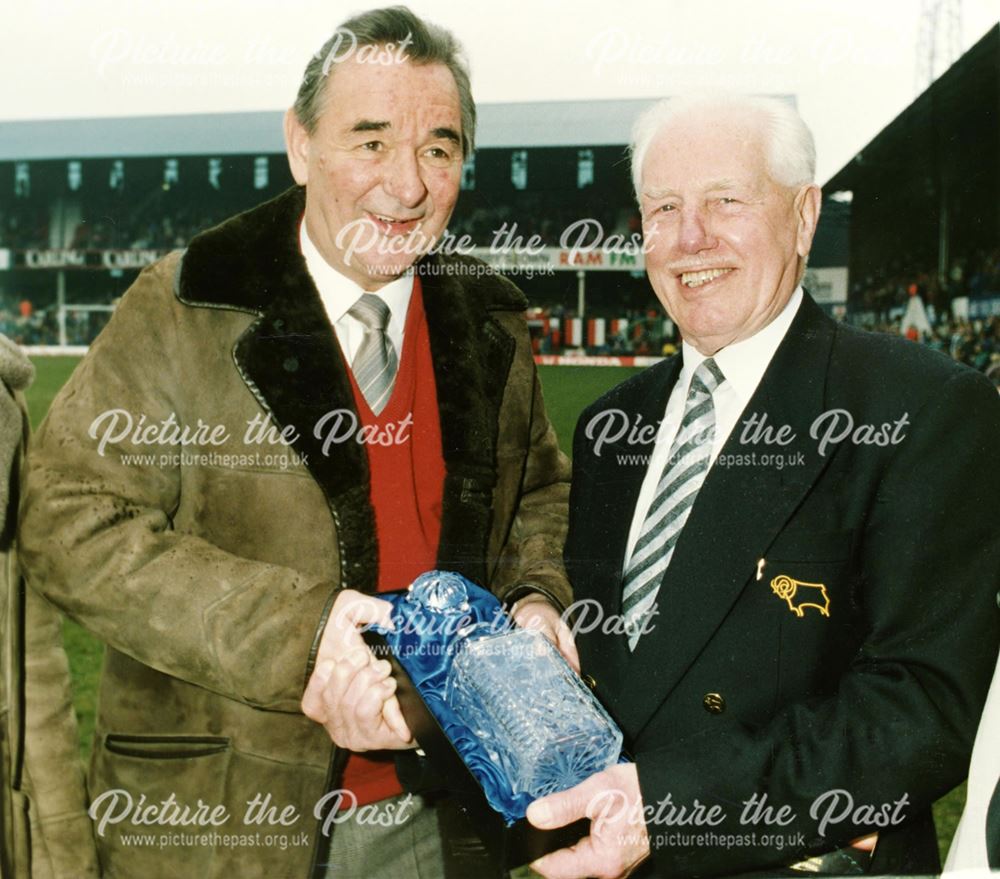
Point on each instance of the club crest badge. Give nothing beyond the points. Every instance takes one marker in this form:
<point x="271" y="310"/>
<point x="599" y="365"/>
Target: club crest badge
<point x="800" y="595"/>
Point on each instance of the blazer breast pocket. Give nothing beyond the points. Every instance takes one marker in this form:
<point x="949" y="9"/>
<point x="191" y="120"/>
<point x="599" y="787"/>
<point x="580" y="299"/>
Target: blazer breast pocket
<point x="808" y="573"/>
<point x="808" y="584"/>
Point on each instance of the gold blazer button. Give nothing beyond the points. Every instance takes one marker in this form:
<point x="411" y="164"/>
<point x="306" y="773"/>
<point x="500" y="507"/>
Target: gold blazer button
<point x="589" y="681"/>
<point x="713" y="703"/>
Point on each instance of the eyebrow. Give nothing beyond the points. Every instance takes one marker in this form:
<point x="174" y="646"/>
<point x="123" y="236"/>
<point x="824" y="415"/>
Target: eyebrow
<point x="369" y="125"/>
<point x="447" y="134"/>
<point x="713" y="186"/>
<point x="657" y="194"/>
<point x="721" y="184"/>
<point x="373" y="125"/>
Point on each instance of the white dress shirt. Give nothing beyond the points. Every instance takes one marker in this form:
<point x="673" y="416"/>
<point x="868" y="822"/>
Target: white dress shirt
<point x="339" y="294"/>
<point x="743" y="364"/>
<point x="968" y="855"/>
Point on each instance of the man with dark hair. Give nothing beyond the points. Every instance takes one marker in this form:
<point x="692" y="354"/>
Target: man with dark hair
<point x="302" y="409"/>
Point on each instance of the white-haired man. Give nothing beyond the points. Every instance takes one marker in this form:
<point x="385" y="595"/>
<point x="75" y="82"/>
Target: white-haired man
<point x="805" y="567"/>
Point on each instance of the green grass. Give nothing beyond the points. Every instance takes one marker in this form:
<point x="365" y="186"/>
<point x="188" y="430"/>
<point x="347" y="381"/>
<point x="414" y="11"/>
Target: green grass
<point x="50" y="375"/>
<point x="567" y="389"/>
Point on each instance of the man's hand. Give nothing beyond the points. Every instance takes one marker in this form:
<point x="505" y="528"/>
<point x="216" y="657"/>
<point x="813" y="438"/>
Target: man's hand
<point x="350" y="692"/>
<point x="535" y="612"/>
<point x="618" y="840"/>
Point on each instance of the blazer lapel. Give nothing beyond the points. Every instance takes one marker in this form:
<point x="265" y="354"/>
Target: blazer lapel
<point x="597" y="553"/>
<point x="738" y="513"/>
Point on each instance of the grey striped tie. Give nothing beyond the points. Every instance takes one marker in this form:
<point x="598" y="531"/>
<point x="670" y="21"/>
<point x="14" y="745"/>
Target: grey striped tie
<point x="676" y="491"/>
<point x="375" y="363"/>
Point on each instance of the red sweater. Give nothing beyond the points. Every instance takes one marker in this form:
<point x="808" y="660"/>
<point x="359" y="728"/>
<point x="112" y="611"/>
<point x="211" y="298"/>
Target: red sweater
<point x="407" y="482"/>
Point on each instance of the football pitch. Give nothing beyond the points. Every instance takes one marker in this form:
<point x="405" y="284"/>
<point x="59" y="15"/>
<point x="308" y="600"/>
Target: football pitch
<point x="568" y="390"/>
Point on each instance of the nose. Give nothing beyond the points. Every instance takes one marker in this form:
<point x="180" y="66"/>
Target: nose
<point x="403" y="180"/>
<point x="695" y="233"/>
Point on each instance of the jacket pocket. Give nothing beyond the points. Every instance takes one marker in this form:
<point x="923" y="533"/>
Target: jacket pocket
<point x="165" y="747"/>
<point x="811" y="578"/>
<point x="156" y="800"/>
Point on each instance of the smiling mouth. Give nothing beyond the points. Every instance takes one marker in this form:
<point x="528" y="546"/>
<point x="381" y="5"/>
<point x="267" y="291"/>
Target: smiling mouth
<point x="698" y="279"/>
<point x="389" y="225"/>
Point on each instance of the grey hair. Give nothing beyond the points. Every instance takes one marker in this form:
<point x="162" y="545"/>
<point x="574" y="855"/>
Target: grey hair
<point x="790" y="148"/>
<point x="425" y="43"/>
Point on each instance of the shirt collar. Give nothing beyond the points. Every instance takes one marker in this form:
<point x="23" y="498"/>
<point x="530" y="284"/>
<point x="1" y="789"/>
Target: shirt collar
<point x="743" y="363"/>
<point x="339" y="293"/>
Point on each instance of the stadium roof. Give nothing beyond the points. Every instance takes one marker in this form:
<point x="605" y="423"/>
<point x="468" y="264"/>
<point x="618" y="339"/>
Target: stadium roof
<point x="550" y="123"/>
<point x="557" y="123"/>
<point x="926" y="189"/>
<point x="927" y="129"/>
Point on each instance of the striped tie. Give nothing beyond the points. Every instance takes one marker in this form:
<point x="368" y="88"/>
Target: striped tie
<point x="375" y="363"/>
<point x="676" y="491"/>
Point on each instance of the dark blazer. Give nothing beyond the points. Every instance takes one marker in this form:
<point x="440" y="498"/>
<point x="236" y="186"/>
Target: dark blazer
<point x="738" y="690"/>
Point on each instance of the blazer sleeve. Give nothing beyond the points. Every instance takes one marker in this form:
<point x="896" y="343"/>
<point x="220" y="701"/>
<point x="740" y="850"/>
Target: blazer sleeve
<point x="899" y="729"/>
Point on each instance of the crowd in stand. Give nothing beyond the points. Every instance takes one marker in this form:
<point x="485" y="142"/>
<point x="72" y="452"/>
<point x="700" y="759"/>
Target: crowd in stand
<point x="880" y="297"/>
<point x="485" y="224"/>
<point x="41" y="327"/>
<point x="554" y="224"/>
<point x="26" y="227"/>
<point x="975" y="343"/>
<point x="883" y="297"/>
<point x="107" y="227"/>
<point x="164" y="233"/>
<point x="975" y="275"/>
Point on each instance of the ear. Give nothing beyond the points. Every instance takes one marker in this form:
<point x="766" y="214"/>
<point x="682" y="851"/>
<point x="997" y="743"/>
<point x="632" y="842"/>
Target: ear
<point x="297" y="147"/>
<point x="807" y="207"/>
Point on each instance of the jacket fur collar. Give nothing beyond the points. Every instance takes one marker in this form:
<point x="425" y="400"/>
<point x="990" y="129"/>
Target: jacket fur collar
<point x="291" y="361"/>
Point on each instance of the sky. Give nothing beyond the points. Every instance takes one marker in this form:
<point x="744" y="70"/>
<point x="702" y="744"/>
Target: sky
<point x="851" y="64"/>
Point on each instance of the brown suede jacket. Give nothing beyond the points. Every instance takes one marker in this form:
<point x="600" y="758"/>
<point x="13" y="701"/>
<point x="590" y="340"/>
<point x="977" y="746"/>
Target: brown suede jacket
<point x="209" y="569"/>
